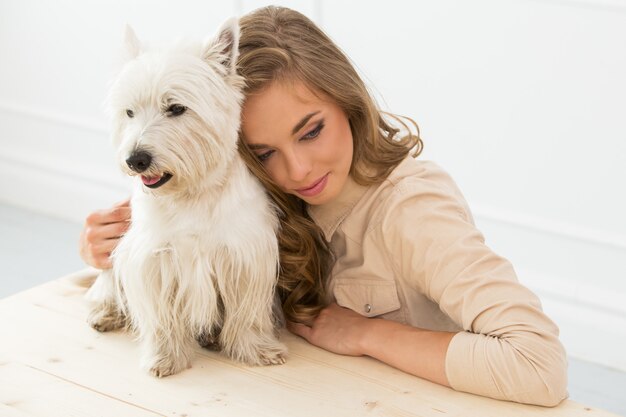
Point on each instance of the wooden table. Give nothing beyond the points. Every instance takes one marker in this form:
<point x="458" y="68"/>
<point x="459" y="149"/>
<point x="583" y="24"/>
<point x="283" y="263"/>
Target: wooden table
<point x="53" y="364"/>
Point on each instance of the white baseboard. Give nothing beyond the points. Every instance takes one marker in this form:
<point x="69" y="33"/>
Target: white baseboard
<point x="591" y="318"/>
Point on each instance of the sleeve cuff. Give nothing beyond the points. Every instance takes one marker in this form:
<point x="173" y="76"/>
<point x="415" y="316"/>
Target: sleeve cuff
<point x="462" y="371"/>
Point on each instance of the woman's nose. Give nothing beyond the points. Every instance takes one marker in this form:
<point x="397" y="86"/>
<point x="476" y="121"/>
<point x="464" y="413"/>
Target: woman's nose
<point x="298" y="167"/>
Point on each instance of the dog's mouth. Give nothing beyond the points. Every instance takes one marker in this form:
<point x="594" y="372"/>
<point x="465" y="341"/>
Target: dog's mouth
<point x="156" y="182"/>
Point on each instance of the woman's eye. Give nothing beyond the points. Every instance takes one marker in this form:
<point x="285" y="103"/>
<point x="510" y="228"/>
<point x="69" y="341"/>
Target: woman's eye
<point x="176" y="110"/>
<point x="262" y="157"/>
<point x="314" y="133"/>
<point x="130" y="113"/>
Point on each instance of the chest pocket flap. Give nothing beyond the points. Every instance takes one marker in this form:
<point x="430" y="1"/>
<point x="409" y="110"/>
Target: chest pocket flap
<point x="367" y="297"/>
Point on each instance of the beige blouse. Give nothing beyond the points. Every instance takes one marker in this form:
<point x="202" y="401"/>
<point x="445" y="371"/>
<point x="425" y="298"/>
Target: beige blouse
<point x="408" y="250"/>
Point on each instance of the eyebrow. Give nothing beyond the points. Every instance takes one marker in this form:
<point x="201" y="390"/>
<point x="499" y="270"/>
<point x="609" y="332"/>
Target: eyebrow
<point x="295" y="130"/>
<point x="302" y="122"/>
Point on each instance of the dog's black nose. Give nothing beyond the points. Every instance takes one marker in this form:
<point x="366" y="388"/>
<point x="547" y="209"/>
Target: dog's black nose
<point x="139" y="161"/>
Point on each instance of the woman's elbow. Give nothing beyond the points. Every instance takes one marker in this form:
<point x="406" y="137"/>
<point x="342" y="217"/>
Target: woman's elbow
<point x="549" y="386"/>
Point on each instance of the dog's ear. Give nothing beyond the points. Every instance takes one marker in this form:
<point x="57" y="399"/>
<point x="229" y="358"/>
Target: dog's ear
<point x="132" y="45"/>
<point x="225" y="45"/>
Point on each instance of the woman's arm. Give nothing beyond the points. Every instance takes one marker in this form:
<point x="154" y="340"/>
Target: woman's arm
<point x="102" y="232"/>
<point x="509" y="348"/>
<point x="416" y="351"/>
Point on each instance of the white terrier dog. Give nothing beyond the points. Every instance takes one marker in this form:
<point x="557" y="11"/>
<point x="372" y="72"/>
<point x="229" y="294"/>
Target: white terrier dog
<point x="200" y="260"/>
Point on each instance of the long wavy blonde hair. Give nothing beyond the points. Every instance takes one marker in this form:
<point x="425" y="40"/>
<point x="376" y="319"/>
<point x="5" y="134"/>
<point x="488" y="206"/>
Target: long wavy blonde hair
<point x="278" y="44"/>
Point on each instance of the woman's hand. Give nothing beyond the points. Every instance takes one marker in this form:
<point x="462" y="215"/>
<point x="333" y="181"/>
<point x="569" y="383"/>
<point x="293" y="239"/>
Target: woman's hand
<point x="416" y="351"/>
<point x="101" y="234"/>
<point x="336" y="329"/>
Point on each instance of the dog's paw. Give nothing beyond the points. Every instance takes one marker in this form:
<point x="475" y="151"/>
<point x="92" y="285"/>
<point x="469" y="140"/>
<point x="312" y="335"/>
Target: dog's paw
<point x="269" y="353"/>
<point x="106" y="317"/>
<point x="167" y="366"/>
<point x="273" y="354"/>
<point x="208" y="341"/>
<point x="272" y="357"/>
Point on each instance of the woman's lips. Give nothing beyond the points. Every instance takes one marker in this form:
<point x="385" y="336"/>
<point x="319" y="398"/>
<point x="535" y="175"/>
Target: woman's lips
<point x="315" y="189"/>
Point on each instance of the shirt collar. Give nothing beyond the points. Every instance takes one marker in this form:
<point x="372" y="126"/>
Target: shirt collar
<point x="330" y="215"/>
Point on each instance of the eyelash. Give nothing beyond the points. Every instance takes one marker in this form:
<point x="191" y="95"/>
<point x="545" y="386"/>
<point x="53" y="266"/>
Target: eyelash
<point x="263" y="157"/>
<point x="313" y="134"/>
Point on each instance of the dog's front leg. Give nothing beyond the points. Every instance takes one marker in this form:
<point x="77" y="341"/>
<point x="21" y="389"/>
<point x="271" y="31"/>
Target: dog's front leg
<point x="167" y="350"/>
<point x="106" y="314"/>
<point x="249" y="331"/>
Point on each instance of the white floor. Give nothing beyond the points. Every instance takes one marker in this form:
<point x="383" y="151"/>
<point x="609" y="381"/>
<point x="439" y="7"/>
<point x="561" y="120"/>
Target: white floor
<point x="36" y="248"/>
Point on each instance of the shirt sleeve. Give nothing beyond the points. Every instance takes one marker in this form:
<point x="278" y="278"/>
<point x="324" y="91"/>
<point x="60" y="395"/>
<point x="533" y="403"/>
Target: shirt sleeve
<point x="510" y="349"/>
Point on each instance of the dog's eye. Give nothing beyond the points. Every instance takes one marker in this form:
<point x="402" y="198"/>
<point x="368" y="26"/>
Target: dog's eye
<point x="176" y="110"/>
<point x="130" y="113"/>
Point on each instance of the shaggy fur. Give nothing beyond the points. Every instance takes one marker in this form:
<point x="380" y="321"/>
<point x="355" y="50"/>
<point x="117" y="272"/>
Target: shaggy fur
<point x="200" y="260"/>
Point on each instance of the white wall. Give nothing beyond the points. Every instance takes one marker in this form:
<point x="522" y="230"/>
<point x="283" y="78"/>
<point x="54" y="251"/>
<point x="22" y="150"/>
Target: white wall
<point x="522" y="101"/>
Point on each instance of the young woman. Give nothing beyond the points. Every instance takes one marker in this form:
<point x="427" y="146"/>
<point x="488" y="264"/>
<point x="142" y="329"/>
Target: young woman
<point x="379" y="252"/>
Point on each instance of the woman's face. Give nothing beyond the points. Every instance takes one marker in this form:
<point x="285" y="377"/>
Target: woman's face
<point x="304" y="141"/>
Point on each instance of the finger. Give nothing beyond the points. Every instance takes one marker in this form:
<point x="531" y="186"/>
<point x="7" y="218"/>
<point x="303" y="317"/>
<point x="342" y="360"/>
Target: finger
<point x="115" y="230"/>
<point x="96" y="254"/>
<point x="117" y="214"/>
<point x="107" y="246"/>
<point x="96" y="234"/>
<point x="112" y="215"/>
<point x="299" y="329"/>
<point x="103" y="261"/>
<point x="123" y="203"/>
<point x="335" y="309"/>
<point x="96" y="257"/>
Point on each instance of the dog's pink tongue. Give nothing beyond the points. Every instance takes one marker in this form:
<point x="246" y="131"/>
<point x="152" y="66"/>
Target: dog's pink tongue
<point x="150" y="181"/>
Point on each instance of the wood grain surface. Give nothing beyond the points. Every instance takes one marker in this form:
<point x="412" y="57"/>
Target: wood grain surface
<point x="53" y="364"/>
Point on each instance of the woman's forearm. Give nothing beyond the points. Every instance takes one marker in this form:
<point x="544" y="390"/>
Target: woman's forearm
<point x="416" y="351"/>
<point x="536" y="366"/>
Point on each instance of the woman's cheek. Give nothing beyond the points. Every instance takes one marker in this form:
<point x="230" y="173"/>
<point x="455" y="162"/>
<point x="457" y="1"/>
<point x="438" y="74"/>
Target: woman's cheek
<point x="275" y="172"/>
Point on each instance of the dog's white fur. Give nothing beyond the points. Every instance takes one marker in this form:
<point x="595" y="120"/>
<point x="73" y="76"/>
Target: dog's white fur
<point x="200" y="259"/>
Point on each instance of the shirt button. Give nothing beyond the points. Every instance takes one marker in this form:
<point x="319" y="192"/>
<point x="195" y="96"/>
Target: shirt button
<point x="367" y="308"/>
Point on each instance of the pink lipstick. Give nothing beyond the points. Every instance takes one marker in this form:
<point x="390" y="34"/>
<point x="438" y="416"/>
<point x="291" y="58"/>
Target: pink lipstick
<point x="314" y="189"/>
